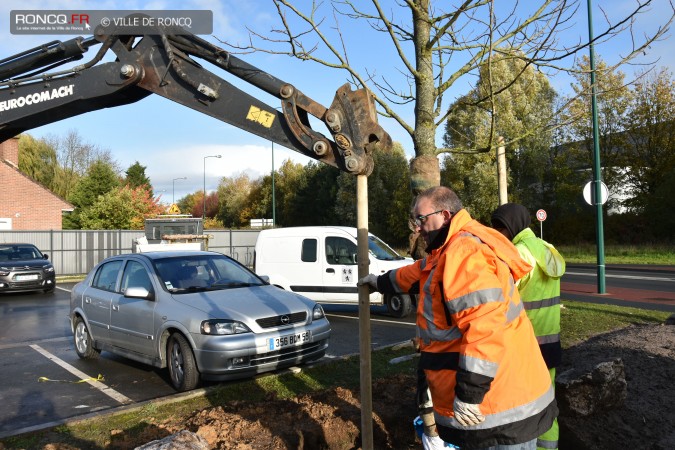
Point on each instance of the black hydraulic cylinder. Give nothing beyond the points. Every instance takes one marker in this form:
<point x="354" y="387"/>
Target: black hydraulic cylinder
<point x="44" y="55"/>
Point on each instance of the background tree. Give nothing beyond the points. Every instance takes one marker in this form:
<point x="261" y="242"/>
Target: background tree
<point x="187" y="203"/>
<point x="613" y="99"/>
<point x="389" y="196"/>
<point x="650" y="133"/>
<point x="136" y="177"/>
<point x="122" y="208"/>
<point x="211" y="205"/>
<point x="289" y="179"/>
<point x="38" y="160"/>
<point x="74" y="158"/>
<point x="232" y="199"/>
<point x="522" y="107"/>
<point x="438" y="44"/>
<point x="315" y="198"/>
<point x="99" y="179"/>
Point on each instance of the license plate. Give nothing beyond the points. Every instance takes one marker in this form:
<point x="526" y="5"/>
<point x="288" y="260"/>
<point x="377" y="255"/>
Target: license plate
<point x="26" y="277"/>
<point x="289" y="340"/>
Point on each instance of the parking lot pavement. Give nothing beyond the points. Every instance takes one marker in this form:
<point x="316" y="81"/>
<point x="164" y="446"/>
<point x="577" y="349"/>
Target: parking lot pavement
<point x="47" y="383"/>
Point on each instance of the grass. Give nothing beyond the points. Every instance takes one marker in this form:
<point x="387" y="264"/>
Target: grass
<point x="620" y="254"/>
<point x="579" y="322"/>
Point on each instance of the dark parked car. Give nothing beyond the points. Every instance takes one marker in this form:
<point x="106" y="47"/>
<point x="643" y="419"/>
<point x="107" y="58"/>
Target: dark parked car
<point x="25" y="268"/>
<point x="202" y="315"/>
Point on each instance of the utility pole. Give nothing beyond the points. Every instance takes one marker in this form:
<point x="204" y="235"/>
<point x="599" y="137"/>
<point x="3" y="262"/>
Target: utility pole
<point x="501" y="171"/>
<point x="597" y="182"/>
<point x="274" y="205"/>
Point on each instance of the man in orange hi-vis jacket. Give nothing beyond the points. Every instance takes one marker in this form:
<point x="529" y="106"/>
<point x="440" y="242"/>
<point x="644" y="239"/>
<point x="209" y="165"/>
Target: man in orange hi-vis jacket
<point x="489" y="383"/>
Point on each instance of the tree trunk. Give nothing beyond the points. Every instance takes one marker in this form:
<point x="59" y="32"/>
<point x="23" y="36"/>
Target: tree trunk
<point x="425" y="173"/>
<point x="424" y="169"/>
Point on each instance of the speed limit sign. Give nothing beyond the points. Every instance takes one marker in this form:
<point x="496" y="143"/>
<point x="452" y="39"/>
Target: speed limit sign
<point x="541" y="216"/>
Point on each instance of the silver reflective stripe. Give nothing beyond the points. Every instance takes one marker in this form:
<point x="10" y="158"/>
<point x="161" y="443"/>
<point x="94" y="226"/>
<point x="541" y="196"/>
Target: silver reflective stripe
<point x="538" y="304"/>
<point x="548" y="339"/>
<point x="479" y="366"/>
<point x="502" y="418"/>
<point x="469" y="235"/>
<point x="435" y="334"/>
<point x="513" y="312"/>
<point x="474" y="298"/>
<point x="553" y="445"/>
<point x="428" y="311"/>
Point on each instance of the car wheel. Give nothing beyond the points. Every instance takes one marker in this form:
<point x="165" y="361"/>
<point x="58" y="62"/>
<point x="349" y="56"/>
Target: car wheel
<point x="399" y="305"/>
<point x="84" y="345"/>
<point x="49" y="290"/>
<point x="182" y="366"/>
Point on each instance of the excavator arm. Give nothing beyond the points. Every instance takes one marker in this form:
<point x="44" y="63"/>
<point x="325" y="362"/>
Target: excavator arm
<point x="165" y="62"/>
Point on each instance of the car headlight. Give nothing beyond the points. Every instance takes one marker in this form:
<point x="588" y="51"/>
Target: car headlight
<point x="223" y="327"/>
<point x="4" y="271"/>
<point x="317" y="312"/>
<point x="48" y="268"/>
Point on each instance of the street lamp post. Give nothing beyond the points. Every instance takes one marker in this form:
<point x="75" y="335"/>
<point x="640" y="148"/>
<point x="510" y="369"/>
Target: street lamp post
<point x="204" y="202"/>
<point x="274" y="206"/>
<point x="173" y="186"/>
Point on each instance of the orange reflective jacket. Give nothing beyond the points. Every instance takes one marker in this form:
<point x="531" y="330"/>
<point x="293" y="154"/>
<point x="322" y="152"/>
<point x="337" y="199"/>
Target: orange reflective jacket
<point x="475" y="338"/>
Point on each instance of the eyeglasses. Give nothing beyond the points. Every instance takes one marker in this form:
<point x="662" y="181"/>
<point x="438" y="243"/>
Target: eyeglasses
<point x="419" y="220"/>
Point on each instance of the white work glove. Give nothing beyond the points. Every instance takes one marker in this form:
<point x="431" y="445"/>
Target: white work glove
<point x="433" y="443"/>
<point x="467" y="414"/>
<point x="370" y="280"/>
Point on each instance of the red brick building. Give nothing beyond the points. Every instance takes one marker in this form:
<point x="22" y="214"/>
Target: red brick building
<point x="25" y="204"/>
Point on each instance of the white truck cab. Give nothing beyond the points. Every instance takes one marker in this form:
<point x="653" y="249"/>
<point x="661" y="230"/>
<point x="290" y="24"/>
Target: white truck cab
<point x="320" y="263"/>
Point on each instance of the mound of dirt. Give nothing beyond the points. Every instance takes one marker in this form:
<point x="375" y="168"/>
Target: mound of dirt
<point x="332" y="419"/>
<point x="646" y="419"/>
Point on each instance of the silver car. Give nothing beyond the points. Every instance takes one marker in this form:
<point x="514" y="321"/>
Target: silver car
<point x="201" y="314"/>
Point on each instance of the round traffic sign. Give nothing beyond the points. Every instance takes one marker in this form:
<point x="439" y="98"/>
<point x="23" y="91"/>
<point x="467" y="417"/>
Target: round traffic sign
<point x="589" y="193"/>
<point x="541" y="215"/>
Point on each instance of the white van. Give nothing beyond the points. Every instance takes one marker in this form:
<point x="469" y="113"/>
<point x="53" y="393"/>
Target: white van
<point x="320" y="263"/>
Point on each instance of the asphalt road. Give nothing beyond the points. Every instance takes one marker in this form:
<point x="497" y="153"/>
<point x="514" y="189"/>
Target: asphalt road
<point x="647" y="287"/>
<point x="45" y="383"/>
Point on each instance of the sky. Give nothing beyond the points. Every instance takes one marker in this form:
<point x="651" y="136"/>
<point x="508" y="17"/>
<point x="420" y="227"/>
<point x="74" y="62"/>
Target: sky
<point x="171" y="140"/>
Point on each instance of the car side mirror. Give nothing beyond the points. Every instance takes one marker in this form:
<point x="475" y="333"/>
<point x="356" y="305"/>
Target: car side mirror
<point x="265" y="278"/>
<point x="45" y="256"/>
<point x="139" y="292"/>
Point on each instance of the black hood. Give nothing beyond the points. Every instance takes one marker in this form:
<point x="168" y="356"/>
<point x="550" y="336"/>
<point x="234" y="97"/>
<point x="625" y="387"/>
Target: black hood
<point x="512" y="216"/>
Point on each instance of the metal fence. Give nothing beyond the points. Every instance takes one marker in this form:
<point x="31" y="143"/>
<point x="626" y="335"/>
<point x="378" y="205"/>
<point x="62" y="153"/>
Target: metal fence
<point x="75" y="252"/>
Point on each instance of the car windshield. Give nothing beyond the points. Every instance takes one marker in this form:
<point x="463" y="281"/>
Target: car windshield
<point x="200" y="273"/>
<point x="380" y="250"/>
<point x="19" y="252"/>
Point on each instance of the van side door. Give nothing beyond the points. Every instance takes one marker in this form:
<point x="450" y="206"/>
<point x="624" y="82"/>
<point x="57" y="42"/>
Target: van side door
<point x="298" y="260"/>
<point x="340" y="272"/>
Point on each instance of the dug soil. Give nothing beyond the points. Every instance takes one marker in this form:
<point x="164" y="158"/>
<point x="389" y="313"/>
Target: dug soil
<point x="332" y="419"/>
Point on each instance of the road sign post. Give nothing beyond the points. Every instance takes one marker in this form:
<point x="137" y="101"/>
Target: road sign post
<point x="541" y="216"/>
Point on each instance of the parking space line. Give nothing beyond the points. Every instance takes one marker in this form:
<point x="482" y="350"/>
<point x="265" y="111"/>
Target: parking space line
<point x="83" y="376"/>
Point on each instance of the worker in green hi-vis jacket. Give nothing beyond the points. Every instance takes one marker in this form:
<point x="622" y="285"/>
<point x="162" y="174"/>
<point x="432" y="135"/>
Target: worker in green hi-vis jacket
<point x="539" y="290"/>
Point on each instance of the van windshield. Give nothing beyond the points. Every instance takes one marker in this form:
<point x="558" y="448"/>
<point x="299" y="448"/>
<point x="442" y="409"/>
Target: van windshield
<point x="380" y="250"/>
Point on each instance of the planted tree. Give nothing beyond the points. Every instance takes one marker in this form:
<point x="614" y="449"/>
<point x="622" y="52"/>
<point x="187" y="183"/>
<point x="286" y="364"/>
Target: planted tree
<point x="438" y="45"/>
